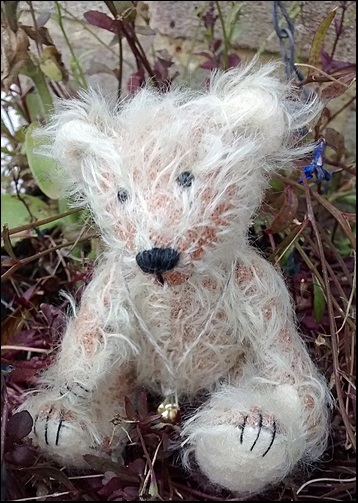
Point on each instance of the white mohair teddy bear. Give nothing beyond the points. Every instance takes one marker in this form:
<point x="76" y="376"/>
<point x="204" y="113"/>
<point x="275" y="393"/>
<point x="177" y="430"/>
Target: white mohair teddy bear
<point x="180" y="303"/>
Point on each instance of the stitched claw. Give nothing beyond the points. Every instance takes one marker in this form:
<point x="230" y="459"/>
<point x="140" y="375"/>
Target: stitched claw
<point x="272" y="439"/>
<point x="257" y="424"/>
<point x="242" y="429"/>
<point x="258" y="433"/>
<point x="76" y="390"/>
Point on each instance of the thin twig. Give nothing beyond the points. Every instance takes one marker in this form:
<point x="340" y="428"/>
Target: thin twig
<point x="38" y="223"/>
<point x="28" y="260"/>
<point x="54" y="495"/>
<point x="324" y="479"/>
<point x="339" y="30"/>
<point x="225" y="38"/>
<point x="329" y="77"/>
<point x="83" y="80"/>
<point x="332" y="321"/>
<point x="24" y="348"/>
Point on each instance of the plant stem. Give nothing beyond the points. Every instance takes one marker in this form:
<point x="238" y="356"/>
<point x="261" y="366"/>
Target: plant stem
<point x="38" y="47"/>
<point x="137" y="50"/>
<point x="339" y="29"/>
<point x="41" y="254"/>
<point x="225" y="38"/>
<point x="83" y="81"/>
<point x="332" y="322"/>
<point x="321" y="283"/>
<point x="85" y="27"/>
<point x="38" y="223"/>
<point x="120" y="66"/>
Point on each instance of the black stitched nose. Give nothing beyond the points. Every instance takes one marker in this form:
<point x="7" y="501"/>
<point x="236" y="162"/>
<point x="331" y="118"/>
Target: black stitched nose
<point x="157" y="260"/>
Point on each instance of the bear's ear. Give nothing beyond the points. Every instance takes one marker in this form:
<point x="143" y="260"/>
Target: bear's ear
<point x="74" y="141"/>
<point x="256" y="104"/>
<point x="80" y="138"/>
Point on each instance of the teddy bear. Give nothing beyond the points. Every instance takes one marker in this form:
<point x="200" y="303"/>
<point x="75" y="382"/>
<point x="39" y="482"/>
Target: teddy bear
<point x="180" y="302"/>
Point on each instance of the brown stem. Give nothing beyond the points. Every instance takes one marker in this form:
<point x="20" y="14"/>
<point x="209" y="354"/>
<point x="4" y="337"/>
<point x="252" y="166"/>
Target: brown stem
<point x="332" y="322"/>
<point x="28" y="260"/>
<point x="339" y="30"/>
<point x="21" y="228"/>
<point x="333" y="116"/>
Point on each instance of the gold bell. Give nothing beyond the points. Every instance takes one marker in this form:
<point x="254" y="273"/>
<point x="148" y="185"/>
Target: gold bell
<point x="169" y="412"/>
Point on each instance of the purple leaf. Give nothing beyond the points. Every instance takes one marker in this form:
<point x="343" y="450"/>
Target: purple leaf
<point x="217" y="44"/>
<point x="19" y="425"/>
<point x="117" y="495"/>
<point x="329" y="64"/>
<point x="233" y="60"/>
<point x="161" y="68"/>
<point x="137" y="467"/>
<point x="112" y="485"/>
<point x="27" y="296"/>
<point x="23" y="374"/>
<point x="131" y="493"/>
<point x="211" y="64"/>
<point x="53" y="315"/>
<point x="209" y="19"/>
<point x="101" y="20"/>
<point x="20" y="455"/>
<point x="135" y="82"/>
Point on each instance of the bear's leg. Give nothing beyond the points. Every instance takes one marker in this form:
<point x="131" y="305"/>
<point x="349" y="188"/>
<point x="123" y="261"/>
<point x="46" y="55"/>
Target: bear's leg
<point x="65" y="430"/>
<point x="246" y="438"/>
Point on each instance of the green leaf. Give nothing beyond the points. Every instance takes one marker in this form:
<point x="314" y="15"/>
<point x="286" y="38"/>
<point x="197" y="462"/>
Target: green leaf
<point x="318" y="41"/>
<point x="10" y="10"/>
<point x="34" y="105"/>
<point x="319" y="301"/>
<point x="15" y="212"/>
<point x="51" y="64"/>
<point x="42" y="168"/>
<point x="350" y="199"/>
<point x="277" y="185"/>
<point x="34" y="72"/>
<point x="74" y="221"/>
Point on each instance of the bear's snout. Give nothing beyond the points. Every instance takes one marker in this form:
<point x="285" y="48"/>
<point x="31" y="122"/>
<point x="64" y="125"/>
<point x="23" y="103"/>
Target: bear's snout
<point x="157" y="260"/>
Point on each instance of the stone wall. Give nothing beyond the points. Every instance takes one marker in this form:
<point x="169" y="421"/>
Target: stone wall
<point x="176" y="23"/>
<point x="175" y="31"/>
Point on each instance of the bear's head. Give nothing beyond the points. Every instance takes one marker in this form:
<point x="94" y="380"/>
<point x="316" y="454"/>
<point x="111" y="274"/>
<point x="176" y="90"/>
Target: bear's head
<point x="173" y="179"/>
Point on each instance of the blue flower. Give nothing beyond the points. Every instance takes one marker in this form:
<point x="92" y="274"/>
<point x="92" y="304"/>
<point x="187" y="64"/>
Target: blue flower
<point x="315" y="168"/>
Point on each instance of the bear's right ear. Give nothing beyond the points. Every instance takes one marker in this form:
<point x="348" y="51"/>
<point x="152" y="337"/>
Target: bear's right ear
<point x="80" y="139"/>
<point x="74" y="141"/>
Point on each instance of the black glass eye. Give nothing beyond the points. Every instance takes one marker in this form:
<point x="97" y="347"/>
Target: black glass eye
<point x="185" y="179"/>
<point x="122" y="195"/>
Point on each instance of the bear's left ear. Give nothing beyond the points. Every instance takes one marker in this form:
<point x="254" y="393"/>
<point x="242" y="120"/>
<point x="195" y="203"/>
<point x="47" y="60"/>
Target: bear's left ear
<point x="257" y="104"/>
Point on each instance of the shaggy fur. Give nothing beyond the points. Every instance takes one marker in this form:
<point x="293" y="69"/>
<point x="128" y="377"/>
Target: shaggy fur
<point x="185" y="172"/>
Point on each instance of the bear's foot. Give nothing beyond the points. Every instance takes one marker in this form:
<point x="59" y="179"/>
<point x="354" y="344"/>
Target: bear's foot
<point x="62" y="433"/>
<point x="242" y="447"/>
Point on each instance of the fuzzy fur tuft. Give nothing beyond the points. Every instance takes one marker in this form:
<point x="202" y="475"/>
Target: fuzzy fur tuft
<point x="179" y="301"/>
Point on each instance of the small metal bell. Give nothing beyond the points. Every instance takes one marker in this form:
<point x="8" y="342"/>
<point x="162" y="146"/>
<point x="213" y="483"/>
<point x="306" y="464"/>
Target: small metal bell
<point x="170" y="412"/>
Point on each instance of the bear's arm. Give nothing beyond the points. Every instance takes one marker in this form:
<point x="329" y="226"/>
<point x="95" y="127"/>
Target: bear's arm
<point x="96" y="340"/>
<point x="276" y="351"/>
